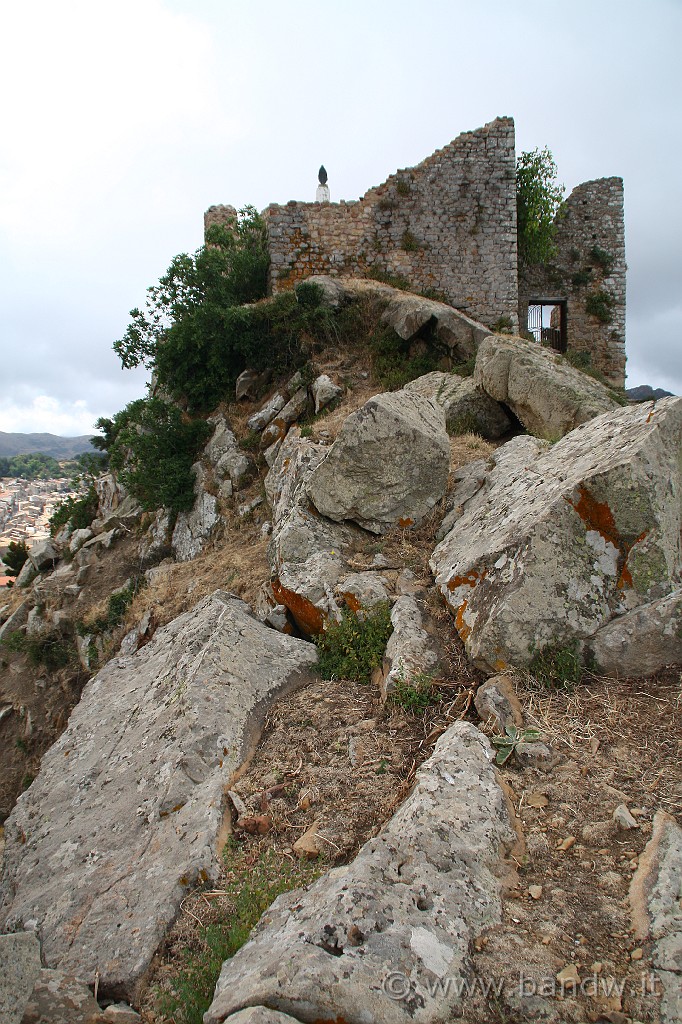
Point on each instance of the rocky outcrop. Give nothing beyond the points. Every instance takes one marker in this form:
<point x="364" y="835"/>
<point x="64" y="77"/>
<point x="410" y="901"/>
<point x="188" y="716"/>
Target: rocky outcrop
<point x="467" y="407"/>
<point x="192" y="529"/>
<point x="409" y="314"/>
<point x="552" y="549"/>
<point x="388" y="466"/>
<point x="544" y="392"/>
<point x="411" y="656"/>
<point x="306" y="551"/>
<point x="405" y="912"/>
<point x="125" y="814"/>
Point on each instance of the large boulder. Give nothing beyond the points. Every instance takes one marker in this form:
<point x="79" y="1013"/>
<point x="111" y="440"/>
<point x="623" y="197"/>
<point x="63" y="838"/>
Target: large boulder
<point x="388" y="466"/>
<point x="126" y="812"/>
<point x="547" y="394"/>
<point x="467" y="407"/>
<point x="406" y="910"/>
<point x="552" y="549"/>
<point x="642" y="641"/>
<point x="306" y="551"/>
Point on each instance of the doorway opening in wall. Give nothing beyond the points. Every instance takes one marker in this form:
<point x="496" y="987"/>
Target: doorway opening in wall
<point x="547" y="322"/>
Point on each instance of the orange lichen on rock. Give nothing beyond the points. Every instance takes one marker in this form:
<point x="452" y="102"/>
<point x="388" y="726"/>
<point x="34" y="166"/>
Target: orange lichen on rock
<point x="470" y="580"/>
<point x="404" y="523"/>
<point x="352" y="601"/>
<point x="307" y="617"/>
<point x="596" y="515"/>
<point x="460" y="625"/>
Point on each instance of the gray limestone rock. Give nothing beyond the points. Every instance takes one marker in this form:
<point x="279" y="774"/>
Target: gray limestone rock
<point x="548" y="396"/>
<point x="642" y="641"/>
<point x="408" y="907"/>
<point x="306" y="550"/>
<point x="157" y="538"/>
<point x="78" y="539"/>
<point x="260" y="419"/>
<point x="656" y="910"/>
<point x="44" y="555"/>
<point x="17" y="620"/>
<point x="110" y="492"/>
<point x="292" y="411"/>
<point x="225" y="457"/>
<point x="388" y="466"/>
<point x="496" y="700"/>
<point x="554" y="547"/>
<point x="19" y="967"/>
<point x="58" y="998"/>
<point x="468" y="408"/>
<point x="411" y="654"/>
<point x="324" y="390"/>
<point x="26" y="575"/>
<point x="261" y="1015"/>
<point x="193" y="529"/>
<point x="126" y="811"/>
<point x="363" y="590"/>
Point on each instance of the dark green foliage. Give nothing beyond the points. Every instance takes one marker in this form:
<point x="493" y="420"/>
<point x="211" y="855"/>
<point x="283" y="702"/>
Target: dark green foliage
<point x="507" y="744"/>
<point x="403" y="187"/>
<point x="353" y="648"/>
<point x="392" y="364"/>
<point x="152" y="448"/>
<point x="385" y="277"/>
<point x="558" y="666"/>
<point x="600" y="304"/>
<point x="79" y="512"/>
<point x="117" y="607"/>
<point x="538" y="200"/>
<point x="416" y="695"/>
<point x="15" y="556"/>
<point x="34" y="466"/>
<point x="582" y="277"/>
<point x="51" y="651"/>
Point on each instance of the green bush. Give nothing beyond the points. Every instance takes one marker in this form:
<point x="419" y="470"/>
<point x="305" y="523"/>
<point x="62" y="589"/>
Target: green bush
<point x="602" y="258"/>
<point x="52" y="651"/>
<point x="415" y="695"/>
<point x="15" y="557"/>
<point x="152" y="449"/>
<point x="79" y="512"/>
<point x="392" y="365"/>
<point x="353" y="647"/>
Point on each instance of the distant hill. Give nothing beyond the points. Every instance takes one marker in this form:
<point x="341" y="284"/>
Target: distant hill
<point x="48" y="444"/>
<point x="644" y="393"/>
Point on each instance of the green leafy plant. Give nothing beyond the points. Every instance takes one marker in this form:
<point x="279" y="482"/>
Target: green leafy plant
<point x="602" y="258"/>
<point x="600" y="305"/>
<point x="538" y="200"/>
<point x="582" y="277"/>
<point x="403" y="187"/>
<point x="415" y="695"/>
<point x="52" y="651"/>
<point x="354" y="647"/>
<point x="507" y="744"/>
<point x="78" y="512"/>
<point x="557" y="665"/>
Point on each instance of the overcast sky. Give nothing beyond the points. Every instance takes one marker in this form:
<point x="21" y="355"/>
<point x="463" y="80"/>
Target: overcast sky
<point x="122" y="122"/>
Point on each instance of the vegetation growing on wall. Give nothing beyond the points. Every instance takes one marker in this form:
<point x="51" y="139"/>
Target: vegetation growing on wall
<point x="538" y="200"/>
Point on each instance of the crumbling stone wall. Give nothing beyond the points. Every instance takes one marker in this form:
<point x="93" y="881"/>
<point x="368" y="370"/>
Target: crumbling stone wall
<point x="447" y="226"/>
<point x="588" y="272"/>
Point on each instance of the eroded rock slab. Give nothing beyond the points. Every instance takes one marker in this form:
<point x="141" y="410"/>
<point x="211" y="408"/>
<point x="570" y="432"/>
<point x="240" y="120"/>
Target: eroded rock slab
<point x="553" y="548"/>
<point x="388" y="466"/>
<point x="412" y="902"/>
<point x="642" y="641"/>
<point x="468" y="408"/>
<point x="548" y="396"/>
<point x="656" y="911"/>
<point x="126" y="810"/>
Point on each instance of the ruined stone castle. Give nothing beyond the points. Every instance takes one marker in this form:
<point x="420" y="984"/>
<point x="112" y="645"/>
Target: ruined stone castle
<point x="447" y="228"/>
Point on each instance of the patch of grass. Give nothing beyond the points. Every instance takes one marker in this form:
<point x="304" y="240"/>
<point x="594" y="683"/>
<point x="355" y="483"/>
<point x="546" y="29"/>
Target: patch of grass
<point x="582" y="277"/>
<point x="385" y="277"/>
<point x="52" y="651"/>
<point x="415" y="695"/>
<point x="557" y="666"/>
<point x="254" y="882"/>
<point x="465" y="423"/>
<point x="465" y="369"/>
<point x="409" y="241"/>
<point x="392" y="364"/>
<point x="351" y="648"/>
<point x="602" y="258"/>
<point x="403" y="187"/>
<point x="250" y="441"/>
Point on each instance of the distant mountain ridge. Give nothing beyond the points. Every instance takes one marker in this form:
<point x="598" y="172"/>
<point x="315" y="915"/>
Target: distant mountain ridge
<point x="645" y="393"/>
<point x="49" y="444"/>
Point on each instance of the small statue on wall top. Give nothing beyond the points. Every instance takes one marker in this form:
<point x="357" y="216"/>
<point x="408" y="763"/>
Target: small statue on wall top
<point x="322" y="194"/>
